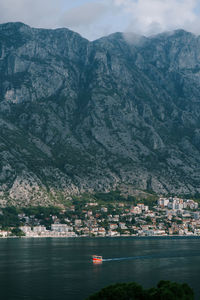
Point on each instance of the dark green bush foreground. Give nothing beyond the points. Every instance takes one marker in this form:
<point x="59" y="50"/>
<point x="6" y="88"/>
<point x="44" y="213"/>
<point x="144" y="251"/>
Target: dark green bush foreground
<point x="165" y="290"/>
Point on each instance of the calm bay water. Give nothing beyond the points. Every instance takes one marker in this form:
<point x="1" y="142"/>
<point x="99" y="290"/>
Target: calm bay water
<point x="55" y="269"/>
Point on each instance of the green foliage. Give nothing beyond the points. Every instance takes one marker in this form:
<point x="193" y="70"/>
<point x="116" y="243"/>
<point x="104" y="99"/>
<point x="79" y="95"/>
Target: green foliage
<point x="105" y="224"/>
<point x="115" y="196"/>
<point x="133" y="221"/>
<point x="179" y="222"/>
<point x="41" y="212"/>
<point x="165" y="290"/>
<point x="148" y="220"/>
<point x="9" y="217"/>
<point x="132" y="199"/>
<point x="112" y="196"/>
<point x="17" y="232"/>
<point x="81" y="201"/>
<point x="122" y="291"/>
<point x="150" y="200"/>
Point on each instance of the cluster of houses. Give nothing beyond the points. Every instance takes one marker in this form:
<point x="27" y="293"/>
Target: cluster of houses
<point x="181" y="215"/>
<point x="170" y="216"/>
<point x="176" y="203"/>
<point x="57" y="230"/>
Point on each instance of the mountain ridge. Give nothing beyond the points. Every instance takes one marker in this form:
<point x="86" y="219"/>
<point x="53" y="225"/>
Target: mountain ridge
<point x="79" y="116"/>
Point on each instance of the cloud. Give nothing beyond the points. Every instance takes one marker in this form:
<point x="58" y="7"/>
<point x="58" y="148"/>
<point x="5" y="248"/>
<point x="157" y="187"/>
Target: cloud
<point x="92" y="19"/>
<point x="96" y="18"/>
<point x="32" y="12"/>
<point x="153" y="16"/>
<point x="84" y="14"/>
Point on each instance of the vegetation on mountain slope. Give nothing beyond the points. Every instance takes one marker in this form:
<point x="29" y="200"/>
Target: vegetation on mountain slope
<point x="79" y="116"/>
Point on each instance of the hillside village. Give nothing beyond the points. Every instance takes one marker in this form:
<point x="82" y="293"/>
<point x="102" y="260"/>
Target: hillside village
<point x="170" y="216"/>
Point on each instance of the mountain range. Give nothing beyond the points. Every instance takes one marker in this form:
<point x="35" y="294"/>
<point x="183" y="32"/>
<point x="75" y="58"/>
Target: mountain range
<point x="83" y="116"/>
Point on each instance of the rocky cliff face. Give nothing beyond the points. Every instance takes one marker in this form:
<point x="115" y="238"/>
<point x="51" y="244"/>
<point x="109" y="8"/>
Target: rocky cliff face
<point x="81" y="116"/>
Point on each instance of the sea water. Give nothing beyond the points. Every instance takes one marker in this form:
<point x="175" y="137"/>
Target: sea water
<point x="57" y="269"/>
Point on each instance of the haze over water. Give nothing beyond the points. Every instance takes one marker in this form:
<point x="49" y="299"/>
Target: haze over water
<point x="55" y="269"/>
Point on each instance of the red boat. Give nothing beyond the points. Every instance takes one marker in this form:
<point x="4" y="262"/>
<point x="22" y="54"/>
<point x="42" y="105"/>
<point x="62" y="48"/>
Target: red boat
<point x="97" y="259"/>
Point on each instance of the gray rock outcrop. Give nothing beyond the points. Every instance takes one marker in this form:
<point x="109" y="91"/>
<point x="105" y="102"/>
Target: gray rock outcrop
<point x="80" y="116"/>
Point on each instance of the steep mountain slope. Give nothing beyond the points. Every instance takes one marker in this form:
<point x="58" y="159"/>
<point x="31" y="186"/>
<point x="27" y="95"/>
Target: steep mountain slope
<point x="81" y="116"/>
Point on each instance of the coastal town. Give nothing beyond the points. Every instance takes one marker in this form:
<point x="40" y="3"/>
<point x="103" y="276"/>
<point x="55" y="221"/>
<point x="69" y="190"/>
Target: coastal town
<point x="169" y="216"/>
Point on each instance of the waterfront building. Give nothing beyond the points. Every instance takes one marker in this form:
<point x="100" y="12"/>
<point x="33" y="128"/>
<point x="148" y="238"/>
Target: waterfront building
<point x="61" y="228"/>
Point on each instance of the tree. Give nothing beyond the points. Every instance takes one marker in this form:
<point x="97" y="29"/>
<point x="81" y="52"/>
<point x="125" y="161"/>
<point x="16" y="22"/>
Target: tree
<point x="148" y="220"/>
<point x="120" y="291"/>
<point x="165" y="290"/>
<point x="17" y="232"/>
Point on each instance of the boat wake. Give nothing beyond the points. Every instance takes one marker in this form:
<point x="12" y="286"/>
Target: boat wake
<point x="156" y="256"/>
<point x="125" y="258"/>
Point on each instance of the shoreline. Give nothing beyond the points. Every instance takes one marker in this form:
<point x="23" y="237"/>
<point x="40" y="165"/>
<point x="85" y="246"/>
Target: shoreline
<point x="94" y="237"/>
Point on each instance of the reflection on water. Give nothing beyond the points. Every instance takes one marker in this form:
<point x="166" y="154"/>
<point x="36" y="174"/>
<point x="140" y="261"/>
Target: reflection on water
<point x="52" y="269"/>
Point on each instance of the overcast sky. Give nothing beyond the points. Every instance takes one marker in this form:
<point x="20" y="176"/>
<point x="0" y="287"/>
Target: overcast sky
<point x="96" y="18"/>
